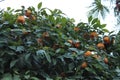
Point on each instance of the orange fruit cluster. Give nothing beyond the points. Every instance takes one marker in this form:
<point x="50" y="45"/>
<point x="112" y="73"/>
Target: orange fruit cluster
<point x="75" y="44"/>
<point x="28" y="13"/>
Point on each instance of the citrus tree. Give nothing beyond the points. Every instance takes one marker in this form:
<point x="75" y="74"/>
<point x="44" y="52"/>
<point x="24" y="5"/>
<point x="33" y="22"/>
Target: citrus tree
<point x="45" y="44"/>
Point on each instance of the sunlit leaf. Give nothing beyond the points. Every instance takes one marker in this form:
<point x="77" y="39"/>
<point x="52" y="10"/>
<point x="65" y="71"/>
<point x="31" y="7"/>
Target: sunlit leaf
<point x="39" y="5"/>
<point x="90" y="19"/>
<point x="105" y="30"/>
<point x="103" y="26"/>
<point x="94" y="20"/>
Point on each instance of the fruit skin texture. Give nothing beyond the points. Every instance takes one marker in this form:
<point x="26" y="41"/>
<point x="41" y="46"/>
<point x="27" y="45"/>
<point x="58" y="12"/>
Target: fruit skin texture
<point x="84" y="65"/>
<point x="76" y="29"/>
<point x="28" y="13"/>
<point x="88" y="53"/>
<point x="21" y="19"/>
<point x="93" y="35"/>
<point x="106" y="39"/>
<point x="77" y="44"/>
<point x="100" y="45"/>
<point x="106" y="60"/>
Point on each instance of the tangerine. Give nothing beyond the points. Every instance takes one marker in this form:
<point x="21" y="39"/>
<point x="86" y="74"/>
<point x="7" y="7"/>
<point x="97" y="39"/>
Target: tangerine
<point x="28" y="13"/>
<point x="106" y="60"/>
<point x="93" y="35"/>
<point x="87" y="53"/>
<point x="100" y="45"/>
<point x="106" y="39"/>
<point x="84" y="65"/>
<point x="21" y="19"/>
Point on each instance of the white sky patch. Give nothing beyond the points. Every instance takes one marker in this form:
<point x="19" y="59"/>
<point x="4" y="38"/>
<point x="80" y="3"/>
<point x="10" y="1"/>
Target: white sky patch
<point x="76" y="9"/>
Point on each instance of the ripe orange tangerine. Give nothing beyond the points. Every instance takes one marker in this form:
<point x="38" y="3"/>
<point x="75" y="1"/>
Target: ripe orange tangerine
<point x="100" y="45"/>
<point x="106" y="39"/>
<point x="106" y="60"/>
<point x="21" y="19"/>
<point x="77" y="44"/>
<point x="28" y="13"/>
<point x="84" y="65"/>
<point x="93" y="34"/>
<point x="87" y="53"/>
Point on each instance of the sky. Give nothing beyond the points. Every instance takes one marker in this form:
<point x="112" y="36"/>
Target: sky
<point x="76" y="9"/>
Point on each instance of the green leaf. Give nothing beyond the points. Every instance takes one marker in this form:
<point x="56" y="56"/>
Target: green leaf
<point x="90" y="70"/>
<point x="44" y="74"/>
<point x="90" y="19"/>
<point x="46" y="54"/>
<point x="39" y="5"/>
<point x="58" y="50"/>
<point x="27" y="56"/>
<point x="49" y="79"/>
<point x="64" y="20"/>
<point x="8" y="8"/>
<point x="12" y="47"/>
<point x="20" y="48"/>
<point x="54" y="61"/>
<point x="95" y="26"/>
<point x="27" y="76"/>
<point x="94" y="20"/>
<point x="7" y="76"/>
<point x="73" y="49"/>
<point x="18" y="10"/>
<point x="34" y="78"/>
<point x="105" y="30"/>
<point x="16" y="77"/>
<point x="103" y="26"/>
<point x="71" y="66"/>
<point x="48" y="57"/>
<point x="39" y="52"/>
<point x="12" y="63"/>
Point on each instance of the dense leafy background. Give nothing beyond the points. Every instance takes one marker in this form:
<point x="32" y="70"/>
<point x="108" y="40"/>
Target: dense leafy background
<point x="50" y="46"/>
